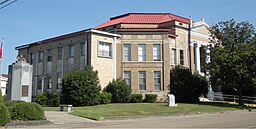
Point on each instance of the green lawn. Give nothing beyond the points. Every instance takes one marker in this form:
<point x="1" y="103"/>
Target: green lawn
<point x="139" y="109"/>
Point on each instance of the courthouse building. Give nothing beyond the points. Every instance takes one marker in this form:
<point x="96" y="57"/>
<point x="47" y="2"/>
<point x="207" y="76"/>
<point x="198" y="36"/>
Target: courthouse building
<point x="141" y="48"/>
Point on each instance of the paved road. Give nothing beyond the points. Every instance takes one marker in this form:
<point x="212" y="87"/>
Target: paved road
<point x="232" y="119"/>
<point x="237" y="119"/>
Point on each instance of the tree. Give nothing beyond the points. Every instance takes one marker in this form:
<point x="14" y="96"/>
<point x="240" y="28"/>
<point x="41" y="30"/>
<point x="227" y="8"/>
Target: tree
<point x="233" y="63"/>
<point x="187" y="87"/>
<point x="81" y="88"/>
<point x="120" y="91"/>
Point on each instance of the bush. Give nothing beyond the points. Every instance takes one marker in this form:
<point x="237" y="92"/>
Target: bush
<point x="1" y="98"/>
<point x="55" y="97"/>
<point x="150" y="98"/>
<point x="4" y="115"/>
<point x="10" y="104"/>
<point x="81" y="88"/>
<point x="42" y="99"/>
<point x="136" y="98"/>
<point x="105" y="98"/>
<point x="28" y="111"/>
<point x="187" y="87"/>
<point x="120" y="91"/>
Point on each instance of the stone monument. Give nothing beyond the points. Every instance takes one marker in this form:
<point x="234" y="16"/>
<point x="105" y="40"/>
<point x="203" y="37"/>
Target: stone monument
<point x="20" y="80"/>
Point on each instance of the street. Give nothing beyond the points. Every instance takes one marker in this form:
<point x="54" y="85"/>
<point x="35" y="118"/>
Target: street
<point x="230" y="119"/>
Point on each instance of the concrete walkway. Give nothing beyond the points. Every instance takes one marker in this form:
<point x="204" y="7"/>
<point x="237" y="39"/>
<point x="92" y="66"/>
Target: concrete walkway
<point x="58" y="117"/>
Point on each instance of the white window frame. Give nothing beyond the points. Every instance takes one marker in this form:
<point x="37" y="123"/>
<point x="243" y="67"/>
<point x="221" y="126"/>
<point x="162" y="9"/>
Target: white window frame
<point x="157" y="53"/>
<point x="160" y="86"/>
<point x="49" y="55"/>
<point x="60" y="53"/>
<point x="40" y="56"/>
<point x="127" y="56"/>
<point x="71" y="51"/>
<point x="104" y="53"/>
<point x="182" y="56"/>
<point x="142" y="54"/>
<point x="145" y="77"/>
<point x="127" y="78"/>
<point x="174" y="56"/>
<point x="82" y="49"/>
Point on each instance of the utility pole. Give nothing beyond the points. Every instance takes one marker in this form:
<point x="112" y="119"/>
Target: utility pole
<point x="189" y="42"/>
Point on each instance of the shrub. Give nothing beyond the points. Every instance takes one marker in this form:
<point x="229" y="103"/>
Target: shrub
<point x="120" y="91"/>
<point x="42" y="99"/>
<point x="81" y="88"/>
<point x="4" y="115"/>
<point x="105" y="98"/>
<point x="1" y="98"/>
<point x="136" y="98"/>
<point x="55" y="97"/>
<point x="187" y="87"/>
<point x="150" y="98"/>
<point x="28" y="111"/>
<point x="10" y="104"/>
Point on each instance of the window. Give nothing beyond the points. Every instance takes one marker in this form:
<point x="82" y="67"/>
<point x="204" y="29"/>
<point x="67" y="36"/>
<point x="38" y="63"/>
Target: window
<point x="71" y="51"/>
<point x="181" y="57"/>
<point x="40" y="57"/>
<point x="127" y="77"/>
<point x="60" y="52"/>
<point x="49" y="55"/>
<point x="174" y="57"/>
<point x="49" y="77"/>
<point x="142" y="52"/>
<point x="82" y="50"/>
<point x="127" y="52"/>
<point x="104" y="49"/>
<point x="157" y="80"/>
<point x="59" y="77"/>
<point x="142" y="80"/>
<point x="32" y="58"/>
<point x="156" y="52"/>
<point x="24" y="89"/>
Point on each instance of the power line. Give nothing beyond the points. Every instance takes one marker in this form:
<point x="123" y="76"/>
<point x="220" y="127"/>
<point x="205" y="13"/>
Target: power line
<point x="7" y="4"/>
<point x="4" y="2"/>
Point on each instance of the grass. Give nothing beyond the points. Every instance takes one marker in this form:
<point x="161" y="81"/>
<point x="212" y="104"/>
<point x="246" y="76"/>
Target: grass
<point x="140" y="109"/>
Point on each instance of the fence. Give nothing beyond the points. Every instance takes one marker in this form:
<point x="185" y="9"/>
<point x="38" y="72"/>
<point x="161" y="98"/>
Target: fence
<point x="235" y="98"/>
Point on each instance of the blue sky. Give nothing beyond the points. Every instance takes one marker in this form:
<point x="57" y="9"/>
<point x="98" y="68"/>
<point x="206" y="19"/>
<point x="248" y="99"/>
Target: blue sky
<point x="27" y="21"/>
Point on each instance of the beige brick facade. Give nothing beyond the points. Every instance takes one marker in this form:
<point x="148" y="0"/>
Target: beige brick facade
<point x="153" y="34"/>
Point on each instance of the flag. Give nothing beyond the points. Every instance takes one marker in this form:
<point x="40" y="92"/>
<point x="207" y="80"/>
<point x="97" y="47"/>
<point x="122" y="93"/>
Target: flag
<point x="1" y="48"/>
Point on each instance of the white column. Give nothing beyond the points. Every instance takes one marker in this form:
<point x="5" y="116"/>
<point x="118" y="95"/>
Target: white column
<point x="207" y="55"/>
<point x="114" y="58"/>
<point x="198" y="65"/>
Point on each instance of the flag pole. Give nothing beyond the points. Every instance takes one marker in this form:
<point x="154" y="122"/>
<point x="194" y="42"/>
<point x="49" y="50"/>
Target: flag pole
<point x="1" y="55"/>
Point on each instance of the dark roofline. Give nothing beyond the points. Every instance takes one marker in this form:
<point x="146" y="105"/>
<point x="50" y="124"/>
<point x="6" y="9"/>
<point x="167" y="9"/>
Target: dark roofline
<point x="53" y="39"/>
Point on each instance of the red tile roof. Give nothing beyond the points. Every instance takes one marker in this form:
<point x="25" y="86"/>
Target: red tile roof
<point x="143" y="18"/>
<point x="142" y="30"/>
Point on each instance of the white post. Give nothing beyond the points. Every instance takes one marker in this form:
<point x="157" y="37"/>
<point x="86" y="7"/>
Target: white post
<point x="85" y="53"/>
<point x="198" y="67"/>
<point x="43" y="83"/>
<point x="114" y="58"/>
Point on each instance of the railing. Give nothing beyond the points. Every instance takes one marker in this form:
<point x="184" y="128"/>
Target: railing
<point x="235" y="98"/>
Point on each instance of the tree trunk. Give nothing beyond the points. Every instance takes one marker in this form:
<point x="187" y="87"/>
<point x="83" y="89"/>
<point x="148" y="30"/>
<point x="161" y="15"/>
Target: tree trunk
<point x="241" y="103"/>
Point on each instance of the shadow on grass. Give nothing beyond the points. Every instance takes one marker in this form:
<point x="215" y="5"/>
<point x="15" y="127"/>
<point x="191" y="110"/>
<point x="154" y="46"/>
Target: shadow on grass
<point x="221" y="104"/>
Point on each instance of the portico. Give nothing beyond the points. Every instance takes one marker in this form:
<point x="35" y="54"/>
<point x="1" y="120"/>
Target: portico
<point x="198" y="55"/>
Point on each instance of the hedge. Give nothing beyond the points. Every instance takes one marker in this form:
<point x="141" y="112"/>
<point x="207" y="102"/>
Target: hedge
<point x="150" y="98"/>
<point x="105" y="98"/>
<point x="4" y="114"/>
<point x="28" y="111"/>
<point x="136" y="98"/>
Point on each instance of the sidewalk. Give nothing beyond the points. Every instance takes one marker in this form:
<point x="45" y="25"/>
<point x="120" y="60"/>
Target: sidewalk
<point x="63" y="120"/>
